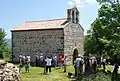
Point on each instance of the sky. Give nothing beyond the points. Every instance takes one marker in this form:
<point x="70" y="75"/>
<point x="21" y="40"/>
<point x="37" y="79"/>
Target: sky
<point x="13" y="13"/>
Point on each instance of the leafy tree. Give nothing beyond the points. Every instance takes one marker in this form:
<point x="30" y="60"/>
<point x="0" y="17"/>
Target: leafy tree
<point x="4" y="50"/>
<point x="104" y="35"/>
<point x="2" y="42"/>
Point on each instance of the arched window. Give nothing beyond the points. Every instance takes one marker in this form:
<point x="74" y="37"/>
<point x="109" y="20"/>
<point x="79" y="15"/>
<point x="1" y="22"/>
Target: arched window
<point x="69" y="14"/>
<point x="73" y="16"/>
<point x="77" y="17"/>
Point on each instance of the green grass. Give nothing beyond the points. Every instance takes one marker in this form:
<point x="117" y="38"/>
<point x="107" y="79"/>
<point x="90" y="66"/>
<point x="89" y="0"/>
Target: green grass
<point x="36" y="74"/>
<point x="110" y="67"/>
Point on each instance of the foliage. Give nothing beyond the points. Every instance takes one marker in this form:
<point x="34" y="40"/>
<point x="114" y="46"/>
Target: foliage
<point x="104" y="35"/>
<point x="7" y="53"/>
<point x="4" y="50"/>
<point x="107" y="1"/>
<point x="2" y="42"/>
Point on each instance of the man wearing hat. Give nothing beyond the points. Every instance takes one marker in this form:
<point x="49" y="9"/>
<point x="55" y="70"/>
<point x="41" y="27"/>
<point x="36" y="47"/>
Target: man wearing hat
<point x="78" y="64"/>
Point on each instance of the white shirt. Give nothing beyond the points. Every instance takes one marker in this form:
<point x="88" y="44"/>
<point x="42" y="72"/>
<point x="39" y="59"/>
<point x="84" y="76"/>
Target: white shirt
<point x="119" y="68"/>
<point x="64" y="60"/>
<point x="48" y="62"/>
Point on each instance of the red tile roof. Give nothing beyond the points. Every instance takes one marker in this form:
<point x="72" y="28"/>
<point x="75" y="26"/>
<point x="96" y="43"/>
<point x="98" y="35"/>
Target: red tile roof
<point x="44" y="24"/>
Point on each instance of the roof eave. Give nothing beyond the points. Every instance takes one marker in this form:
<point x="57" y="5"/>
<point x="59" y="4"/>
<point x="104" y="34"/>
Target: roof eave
<point x="36" y="29"/>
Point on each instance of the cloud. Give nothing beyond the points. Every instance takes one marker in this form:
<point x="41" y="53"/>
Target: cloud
<point x="77" y="3"/>
<point x="70" y="3"/>
<point x="91" y="2"/>
<point x="80" y="6"/>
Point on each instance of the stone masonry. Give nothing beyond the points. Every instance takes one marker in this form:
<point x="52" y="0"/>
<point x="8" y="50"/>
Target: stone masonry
<point x="32" y="42"/>
<point x="73" y="39"/>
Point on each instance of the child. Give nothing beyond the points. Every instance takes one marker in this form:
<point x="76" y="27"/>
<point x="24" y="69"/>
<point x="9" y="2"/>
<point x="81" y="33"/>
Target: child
<point x="27" y="67"/>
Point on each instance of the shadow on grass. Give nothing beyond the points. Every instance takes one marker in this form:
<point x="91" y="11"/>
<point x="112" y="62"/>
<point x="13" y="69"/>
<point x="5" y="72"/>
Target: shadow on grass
<point x="100" y="75"/>
<point x="116" y="78"/>
<point x="109" y="73"/>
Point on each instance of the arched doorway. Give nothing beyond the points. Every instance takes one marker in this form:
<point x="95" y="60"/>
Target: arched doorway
<point x="75" y="54"/>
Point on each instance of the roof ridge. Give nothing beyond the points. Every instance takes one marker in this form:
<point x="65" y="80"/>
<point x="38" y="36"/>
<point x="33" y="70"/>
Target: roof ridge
<point x="46" y="20"/>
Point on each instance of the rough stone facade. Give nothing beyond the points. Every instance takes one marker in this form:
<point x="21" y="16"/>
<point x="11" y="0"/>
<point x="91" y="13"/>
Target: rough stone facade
<point x="73" y="39"/>
<point x="60" y="37"/>
<point x="40" y="41"/>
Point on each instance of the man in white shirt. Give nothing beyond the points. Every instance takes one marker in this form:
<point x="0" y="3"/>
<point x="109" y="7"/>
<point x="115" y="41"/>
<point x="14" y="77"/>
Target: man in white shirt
<point x="78" y="64"/>
<point x="48" y="64"/>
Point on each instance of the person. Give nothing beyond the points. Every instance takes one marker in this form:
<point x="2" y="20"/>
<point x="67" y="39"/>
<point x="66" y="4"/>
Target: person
<point x="55" y="59"/>
<point x="37" y="60"/>
<point x="87" y="65"/>
<point x="116" y="67"/>
<point x="20" y="63"/>
<point x="44" y="63"/>
<point x="64" y="63"/>
<point x="94" y="65"/>
<point x="48" y="64"/>
<point x="23" y="60"/>
<point x="60" y="61"/>
<point x="103" y="63"/>
<point x="41" y="60"/>
<point x="78" y="66"/>
<point x="27" y="67"/>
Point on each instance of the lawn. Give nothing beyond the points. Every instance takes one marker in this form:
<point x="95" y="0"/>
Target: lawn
<point x="36" y="74"/>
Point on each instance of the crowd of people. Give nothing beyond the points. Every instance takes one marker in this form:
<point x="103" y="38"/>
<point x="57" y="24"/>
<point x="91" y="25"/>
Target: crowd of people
<point x="91" y="64"/>
<point x="43" y="61"/>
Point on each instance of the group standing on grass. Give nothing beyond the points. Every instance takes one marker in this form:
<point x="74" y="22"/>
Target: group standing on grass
<point x="50" y="61"/>
<point x="44" y="61"/>
<point x="59" y="61"/>
<point x="24" y="61"/>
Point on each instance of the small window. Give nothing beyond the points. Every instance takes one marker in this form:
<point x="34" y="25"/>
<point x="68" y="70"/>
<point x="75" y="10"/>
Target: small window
<point x="73" y="16"/>
<point x="62" y="37"/>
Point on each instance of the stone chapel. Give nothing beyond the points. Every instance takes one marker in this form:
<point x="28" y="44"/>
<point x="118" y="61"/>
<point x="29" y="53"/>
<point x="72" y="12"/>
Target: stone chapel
<point x="63" y="36"/>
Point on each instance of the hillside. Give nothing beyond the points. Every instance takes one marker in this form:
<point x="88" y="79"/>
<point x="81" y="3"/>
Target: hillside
<point x="8" y="43"/>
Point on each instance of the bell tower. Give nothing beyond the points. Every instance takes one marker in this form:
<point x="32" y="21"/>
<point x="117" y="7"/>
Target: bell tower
<point x="73" y="15"/>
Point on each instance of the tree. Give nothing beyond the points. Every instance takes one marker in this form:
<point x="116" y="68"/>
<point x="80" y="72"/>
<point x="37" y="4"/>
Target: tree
<point x="4" y="50"/>
<point x="2" y="42"/>
<point x="107" y="1"/>
<point x="104" y="38"/>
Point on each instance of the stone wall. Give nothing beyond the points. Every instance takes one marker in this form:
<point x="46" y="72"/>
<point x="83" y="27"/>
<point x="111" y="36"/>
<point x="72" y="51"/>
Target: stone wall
<point x="8" y="72"/>
<point x="73" y="39"/>
<point x="39" y="41"/>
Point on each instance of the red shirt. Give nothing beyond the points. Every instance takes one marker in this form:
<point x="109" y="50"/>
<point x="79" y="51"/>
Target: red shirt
<point x="60" y="59"/>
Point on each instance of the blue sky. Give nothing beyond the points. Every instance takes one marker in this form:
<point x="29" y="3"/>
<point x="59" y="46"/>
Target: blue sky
<point x="13" y="13"/>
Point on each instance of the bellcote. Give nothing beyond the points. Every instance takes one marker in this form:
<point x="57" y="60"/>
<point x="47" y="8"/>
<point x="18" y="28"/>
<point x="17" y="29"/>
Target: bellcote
<point x="73" y="15"/>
